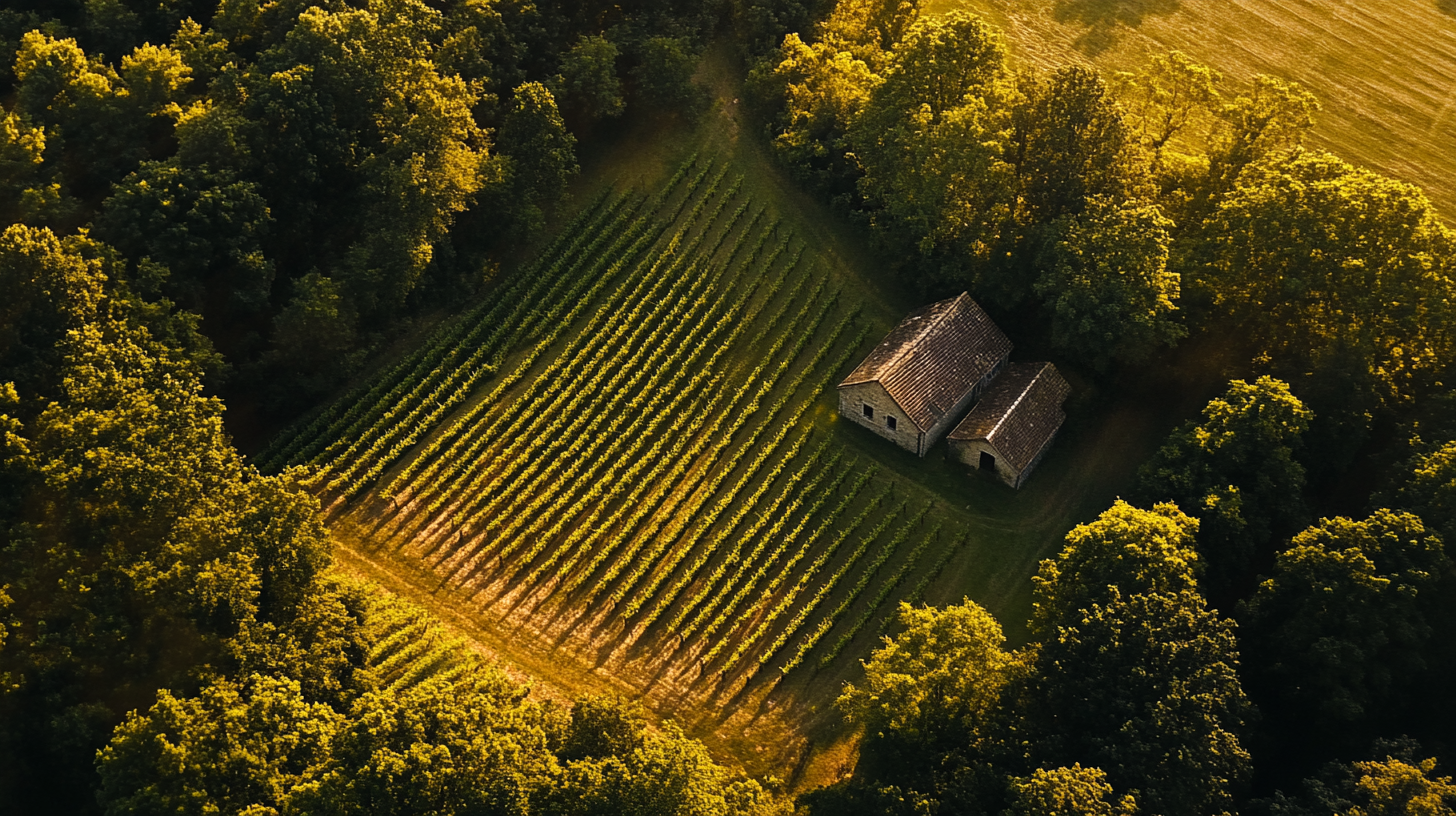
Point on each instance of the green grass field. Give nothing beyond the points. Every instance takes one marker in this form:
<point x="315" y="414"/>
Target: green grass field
<point x="623" y="469"/>
<point x="1384" y="72"/>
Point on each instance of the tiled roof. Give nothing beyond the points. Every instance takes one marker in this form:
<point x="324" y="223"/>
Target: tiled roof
<point x="1019" y="412"/>
<point x="934" y="357"/>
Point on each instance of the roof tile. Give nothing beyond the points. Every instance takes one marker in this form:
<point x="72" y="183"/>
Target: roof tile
<point x="933" y="357"/>
<point x="1019" y="413"/>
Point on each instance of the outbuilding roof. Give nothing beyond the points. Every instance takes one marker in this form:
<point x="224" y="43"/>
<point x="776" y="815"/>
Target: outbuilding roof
<point x="1019" y="413"/>
<point x="934" y="357"/>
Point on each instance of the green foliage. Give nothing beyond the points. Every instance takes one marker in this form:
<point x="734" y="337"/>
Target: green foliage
<point x="191" y="230"/>
<point x="1074" y="791"/>
<point x="436" y="748"/>
<point x="1340" y="627"/>
<point x="1270" y="119"/>
<point x="761" y="25"/>
<point x="1108" y="285"/>
<point x="931" y="141"/>
<point x="1146" y="688"/>
<point x="1236" y="471"/>
<point x="1125" y="552"/>
<point x="236" y="747"/>
<point x="823" y="91"/>
<point x="1170" y="95"/>
<point x="1312" y="257"/>
<point x="29" y="192"/>
<point x="1429" y="490"/>
<point x="1393" y="787"/>
<point x="589" y="78"/>
<point x="663" y="76"/>
<point x="541" y="154"/>
<point x="1070" y="144"/>
<point x="604" y="727"/>
<point x="313" y="338"/>
<point x="935" y="682"/>
<point x="50" y="290"/>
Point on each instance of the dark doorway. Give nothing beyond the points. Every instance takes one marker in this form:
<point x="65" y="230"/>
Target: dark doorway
<point x="988" y="462"/>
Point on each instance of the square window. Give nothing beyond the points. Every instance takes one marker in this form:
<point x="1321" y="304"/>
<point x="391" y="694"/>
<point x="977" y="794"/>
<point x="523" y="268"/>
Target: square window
<point x="869" y="411"/>
<point x="890" y="421"/>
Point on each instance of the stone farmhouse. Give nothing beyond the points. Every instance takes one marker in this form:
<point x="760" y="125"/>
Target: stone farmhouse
<point x="1012" y="426"/>
<point x="934" y="366"/>
<point x="925" y="373"/>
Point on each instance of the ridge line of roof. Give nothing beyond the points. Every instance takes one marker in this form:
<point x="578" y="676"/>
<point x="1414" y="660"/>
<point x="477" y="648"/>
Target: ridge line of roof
<point x="1019" y="397"/>
<point x="889" y="365"/>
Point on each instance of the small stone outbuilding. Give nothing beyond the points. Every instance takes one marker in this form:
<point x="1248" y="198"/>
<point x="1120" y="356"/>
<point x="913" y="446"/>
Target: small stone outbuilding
<point x="925" y="373"/>
<point x="1012" y="426"/>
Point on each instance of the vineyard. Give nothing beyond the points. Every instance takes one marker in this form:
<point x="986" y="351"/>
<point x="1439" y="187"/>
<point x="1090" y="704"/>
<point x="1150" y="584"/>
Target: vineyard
<point x="625" y="450"/>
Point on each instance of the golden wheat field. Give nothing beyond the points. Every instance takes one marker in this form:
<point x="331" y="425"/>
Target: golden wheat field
<point x="1385" y="72"/>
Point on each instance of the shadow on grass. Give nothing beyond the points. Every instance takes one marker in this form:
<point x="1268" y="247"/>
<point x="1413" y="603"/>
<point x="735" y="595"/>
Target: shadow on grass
<point x="1446" y="7"/>
<point x="1104" y="18"/>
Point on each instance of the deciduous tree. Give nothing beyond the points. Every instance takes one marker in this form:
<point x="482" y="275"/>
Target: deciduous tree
<point x="1146" y="688"/>
<point x="1338" y="630"/>
<point x="1311" y="257"/>
<point x="1107" y="283"/>
<point x="1127" y="551"/>
<point x="1236" y="471"/>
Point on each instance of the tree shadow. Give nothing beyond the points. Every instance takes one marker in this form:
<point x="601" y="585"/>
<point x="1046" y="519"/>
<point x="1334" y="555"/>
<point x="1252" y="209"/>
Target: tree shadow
<point x="1105" y="18"/>
<point x="1447" y="7"/>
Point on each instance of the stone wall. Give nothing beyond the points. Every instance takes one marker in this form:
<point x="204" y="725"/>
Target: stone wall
<point x="853" y="398"/>
<point x="968" y="452"/>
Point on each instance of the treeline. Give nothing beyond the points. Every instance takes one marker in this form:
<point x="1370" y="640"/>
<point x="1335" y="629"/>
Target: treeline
<point x="285" y="181"/>
<point x="256" y="194"/>
<point x="1131" y="697"/>
<point x="171" y="637"/>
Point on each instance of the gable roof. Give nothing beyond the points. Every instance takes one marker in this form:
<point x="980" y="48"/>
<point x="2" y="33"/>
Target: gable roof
<point x="933" y="358"/>
<point x="1019" y="413"/>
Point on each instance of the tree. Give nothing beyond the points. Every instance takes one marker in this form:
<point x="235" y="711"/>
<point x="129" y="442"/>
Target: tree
<point x="236" y="748"/>
<point x="313" y="338"/>
<point x="362" y="138"/>
<point x="1430" y="489"/>
<point x="1070" y="144"/>
<point x="931" y="141"/>
<point x="1108" y="285"/>
<point x="1271" y="118"/>
<point x="1146" y="688"/>
<point x="1126" y="551"/>
<point x="603" y="727"/>
<point x="1340" y="627"/>
<point x="1396" y="788"/>
<point x="822" y="92"/>
<point x="29" y="192"/>
<point x="191" y="230"/>
<point x="589" y="78"/>
<point x="85" y="107"/>
<point x="935" y="683"/>
<point x="1311" y="257"/>
<point x="1074" y="791"/>
<point x="667" y="775"/>
<point x="540" y="149"/>
<point x="435" y="748"/>
<point x="663" y="76"/>
<point x="50" y="290"/>
<point x="1167" y="97"/>
<point x="1236" y="471"/>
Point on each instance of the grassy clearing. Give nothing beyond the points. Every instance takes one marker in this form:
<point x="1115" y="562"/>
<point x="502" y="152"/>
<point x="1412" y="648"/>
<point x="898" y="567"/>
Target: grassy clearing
<point x="626" y="471"/>
<point x="1384" y="72"/>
